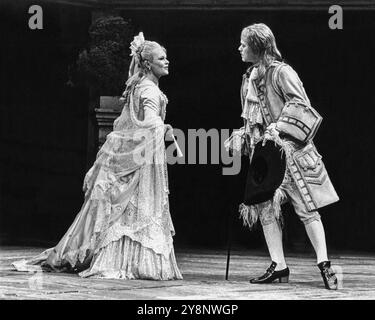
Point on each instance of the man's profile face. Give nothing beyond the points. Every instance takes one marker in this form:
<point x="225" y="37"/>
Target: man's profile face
<point x="246" y="52"/>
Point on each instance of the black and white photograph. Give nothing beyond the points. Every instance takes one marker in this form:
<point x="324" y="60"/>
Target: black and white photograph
<point x="190" y="155"/>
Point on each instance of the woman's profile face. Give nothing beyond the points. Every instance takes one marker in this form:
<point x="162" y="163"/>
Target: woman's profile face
<point x="247" y="53"/>
<point x="159" y="65"/>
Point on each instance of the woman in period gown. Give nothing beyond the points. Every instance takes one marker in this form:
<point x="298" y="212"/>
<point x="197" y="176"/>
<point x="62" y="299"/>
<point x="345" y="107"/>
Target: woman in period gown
<point x="124" y="228"/>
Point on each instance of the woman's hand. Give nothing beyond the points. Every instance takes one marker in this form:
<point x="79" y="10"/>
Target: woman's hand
<point x="168" y="131"/>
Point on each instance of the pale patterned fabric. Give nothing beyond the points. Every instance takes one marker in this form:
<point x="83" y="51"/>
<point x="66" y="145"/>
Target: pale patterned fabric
<point x="134" y="262"/>
<point x="124" y="228"/>
<point x="251" y="112"/>
<point x="255" y="127"/>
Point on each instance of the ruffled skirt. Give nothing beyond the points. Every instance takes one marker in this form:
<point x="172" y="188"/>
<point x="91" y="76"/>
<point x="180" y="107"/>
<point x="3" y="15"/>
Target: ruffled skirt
<point x="121" y="259"/>
<point x="116" y="257"/>
<point x="128" y="259"/>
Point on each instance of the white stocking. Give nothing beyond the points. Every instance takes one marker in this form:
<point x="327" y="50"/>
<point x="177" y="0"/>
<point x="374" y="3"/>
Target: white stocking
<point x="315" y="231"/>
<point x="273" y="234"/>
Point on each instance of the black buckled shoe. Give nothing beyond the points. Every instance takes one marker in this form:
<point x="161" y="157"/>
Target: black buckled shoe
<point x="328" y="275"/>
<point x="272" y="275"/>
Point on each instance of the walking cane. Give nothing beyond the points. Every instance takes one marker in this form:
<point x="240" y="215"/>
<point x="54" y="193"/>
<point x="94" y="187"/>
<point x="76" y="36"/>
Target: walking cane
<point x="229" y="233"/>
<point x="229" y="242"/>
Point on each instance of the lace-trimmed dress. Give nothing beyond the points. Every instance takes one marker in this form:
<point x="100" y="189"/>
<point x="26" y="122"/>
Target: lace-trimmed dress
<point x="124" y="229"/>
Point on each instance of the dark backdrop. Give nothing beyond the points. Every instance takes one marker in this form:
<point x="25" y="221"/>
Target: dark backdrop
<point x="43" y="120"/>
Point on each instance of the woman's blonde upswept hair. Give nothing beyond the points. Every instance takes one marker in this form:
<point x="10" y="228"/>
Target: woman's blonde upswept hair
<point x="138" y="68"/>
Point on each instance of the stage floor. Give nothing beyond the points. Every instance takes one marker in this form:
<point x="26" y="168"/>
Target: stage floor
<point x="204" y="278"/>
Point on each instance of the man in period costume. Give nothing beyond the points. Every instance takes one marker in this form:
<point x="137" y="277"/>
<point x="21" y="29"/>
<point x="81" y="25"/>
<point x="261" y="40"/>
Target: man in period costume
<point x="275" y="107"/>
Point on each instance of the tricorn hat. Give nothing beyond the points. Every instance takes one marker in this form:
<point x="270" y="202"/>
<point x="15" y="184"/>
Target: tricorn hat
<point x="265" y="174"/>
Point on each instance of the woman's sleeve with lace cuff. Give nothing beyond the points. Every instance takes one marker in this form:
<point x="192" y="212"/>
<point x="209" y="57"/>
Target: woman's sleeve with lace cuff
<point x="151" y="99"/>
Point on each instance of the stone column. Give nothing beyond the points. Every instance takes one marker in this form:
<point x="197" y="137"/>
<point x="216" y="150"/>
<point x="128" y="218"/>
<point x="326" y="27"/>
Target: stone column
<point x="110" y="108"/>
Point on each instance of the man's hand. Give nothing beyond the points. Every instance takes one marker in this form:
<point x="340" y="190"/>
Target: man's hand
<point x="267" y="136"/>
<point x="235" y="142"/>
<point x="271" y="133"/>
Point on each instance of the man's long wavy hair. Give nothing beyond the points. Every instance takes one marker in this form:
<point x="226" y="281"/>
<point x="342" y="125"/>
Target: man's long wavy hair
<point x="262" y="42"/>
